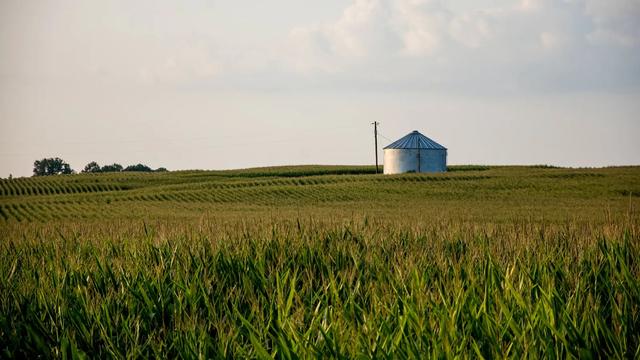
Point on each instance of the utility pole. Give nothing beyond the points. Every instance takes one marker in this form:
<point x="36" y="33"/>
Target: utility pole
<point x="375" y="136"/>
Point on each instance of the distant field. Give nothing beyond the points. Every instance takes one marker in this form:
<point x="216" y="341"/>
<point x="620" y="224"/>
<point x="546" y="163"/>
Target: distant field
<point x="473" y="192"/>
<point x="322" y="261"/>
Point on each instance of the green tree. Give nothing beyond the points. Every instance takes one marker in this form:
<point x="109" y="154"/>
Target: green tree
<point x="138" y="167"/>
<point x="51" y="166"/>
<point x="92" y="167"/>
<point x="111" y="168"/>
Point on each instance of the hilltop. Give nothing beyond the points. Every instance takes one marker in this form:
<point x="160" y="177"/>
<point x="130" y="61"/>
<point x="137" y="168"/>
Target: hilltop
<point x="476" y="192"/>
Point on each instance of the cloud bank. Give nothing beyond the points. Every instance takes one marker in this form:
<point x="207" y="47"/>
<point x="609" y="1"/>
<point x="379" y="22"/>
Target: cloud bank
<point x="375" y="45"/>
<point x="422" y="44"/>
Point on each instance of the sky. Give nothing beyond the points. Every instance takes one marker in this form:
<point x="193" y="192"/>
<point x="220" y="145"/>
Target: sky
<point x="214" y="84"/>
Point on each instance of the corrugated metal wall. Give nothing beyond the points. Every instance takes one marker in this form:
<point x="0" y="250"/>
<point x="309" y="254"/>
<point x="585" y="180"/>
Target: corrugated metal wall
<point x="400" y="161"/>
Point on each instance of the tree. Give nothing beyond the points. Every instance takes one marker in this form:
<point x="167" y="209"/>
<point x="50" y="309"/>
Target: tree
<point x="138" y="167"/>
<point x="92" y="167"/>
<point x="111" y="168"/>
<point x="161" y="169"/>
<point x="51" y="166"/>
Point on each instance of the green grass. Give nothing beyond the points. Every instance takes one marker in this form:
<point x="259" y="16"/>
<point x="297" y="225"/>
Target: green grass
<point x="315" y="262"/>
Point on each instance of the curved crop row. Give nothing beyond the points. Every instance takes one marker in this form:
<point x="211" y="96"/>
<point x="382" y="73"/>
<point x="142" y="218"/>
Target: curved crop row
<point x="268" y="191"/>
<point x="264" y="182"/>
<point x="572" y="175"/>
<point x="31" y="212"/>
<point x="52" y="187"/>
<point x="15" y="213"/>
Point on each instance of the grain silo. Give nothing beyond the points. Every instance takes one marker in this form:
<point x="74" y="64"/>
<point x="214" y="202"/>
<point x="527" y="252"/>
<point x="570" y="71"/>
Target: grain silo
<point x="414" y="153"/>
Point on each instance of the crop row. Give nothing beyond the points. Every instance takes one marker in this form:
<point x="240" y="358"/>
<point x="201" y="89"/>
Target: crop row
<point x="43" y="187"/>
<point x="253" y="195"/>
<point x="52" y="187"/>
<point x="46" y="211"/>
<point x="29" y="212"/>
<point x="321" y="180"/>
<point x="86" y="207"/>
<point x="262" y="193"/>
<point x="573" y="175"/>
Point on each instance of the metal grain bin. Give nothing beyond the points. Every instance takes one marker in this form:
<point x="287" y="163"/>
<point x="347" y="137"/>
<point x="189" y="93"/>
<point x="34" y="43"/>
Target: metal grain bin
<point x="414" y="153"/>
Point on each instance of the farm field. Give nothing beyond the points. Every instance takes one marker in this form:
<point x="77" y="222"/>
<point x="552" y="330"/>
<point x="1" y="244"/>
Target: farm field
<point x="322" y="261"/>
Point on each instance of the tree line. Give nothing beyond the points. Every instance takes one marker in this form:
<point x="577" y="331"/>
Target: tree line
<point x="57" y="166"/>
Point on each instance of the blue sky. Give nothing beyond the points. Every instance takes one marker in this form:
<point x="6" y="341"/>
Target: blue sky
<point x="231" y="84"/>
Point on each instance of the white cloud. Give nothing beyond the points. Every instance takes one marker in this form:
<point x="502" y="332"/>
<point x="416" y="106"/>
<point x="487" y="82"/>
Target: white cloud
<point x="403" y="44"/>
<point x="531" y="42"/>
<point x="616" y="22"/>
<point x="471" y="30"/>
<point x="422" y="26"/>
<point x="552" y="41"/>
<point x="363" y="31"/>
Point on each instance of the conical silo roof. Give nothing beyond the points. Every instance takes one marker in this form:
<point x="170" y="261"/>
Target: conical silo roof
<point x="415" y="140"/>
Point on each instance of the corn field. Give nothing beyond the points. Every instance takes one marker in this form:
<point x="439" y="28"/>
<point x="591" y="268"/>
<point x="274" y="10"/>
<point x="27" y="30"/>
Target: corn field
<point x="300" y="263"/>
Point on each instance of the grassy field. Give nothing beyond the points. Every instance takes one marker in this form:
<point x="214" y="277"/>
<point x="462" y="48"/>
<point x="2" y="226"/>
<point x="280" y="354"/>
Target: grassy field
<point x="311" y="261"/>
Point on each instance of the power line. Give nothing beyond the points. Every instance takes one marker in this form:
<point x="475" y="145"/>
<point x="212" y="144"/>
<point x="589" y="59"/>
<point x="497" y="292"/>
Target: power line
<point x="382" y="136"/>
